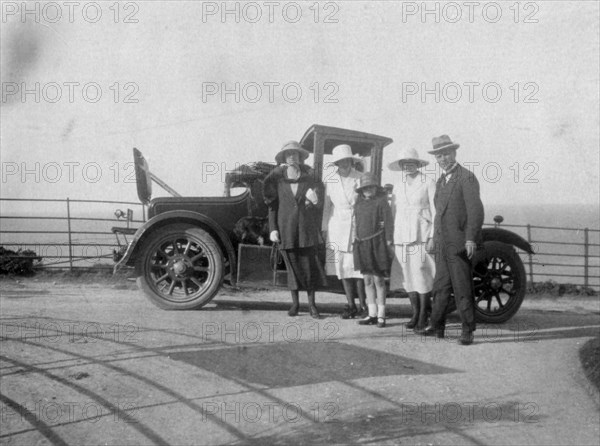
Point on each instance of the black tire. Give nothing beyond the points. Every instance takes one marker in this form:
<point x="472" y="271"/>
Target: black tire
<point x="499" y="281"/>
<point x="180" y="267"/>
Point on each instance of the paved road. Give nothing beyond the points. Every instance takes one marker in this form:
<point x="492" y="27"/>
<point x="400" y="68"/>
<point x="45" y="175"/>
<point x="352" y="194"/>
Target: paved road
<point x="86" y="364"/>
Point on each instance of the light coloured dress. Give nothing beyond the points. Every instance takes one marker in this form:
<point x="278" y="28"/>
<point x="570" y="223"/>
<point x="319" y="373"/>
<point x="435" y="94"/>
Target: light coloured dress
<point x="338" y="221"/>
<point x="413" y="268"/>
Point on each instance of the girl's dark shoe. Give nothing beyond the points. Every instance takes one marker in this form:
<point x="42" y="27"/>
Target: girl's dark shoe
<point x="413" y="321"/>
<point x="368" y="321"/>
<point x="381" y="322"/>
<point x="362" y="312"/>
<point x="432" y="331"/>
<point x="420" y="326"/>
<point x="294" y="310"/>
<point x="314" y="313"/>
<point x="349" y="312"/>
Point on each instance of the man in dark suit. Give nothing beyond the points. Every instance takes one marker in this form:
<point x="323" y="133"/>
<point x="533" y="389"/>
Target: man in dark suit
<point x="457" y="231"/>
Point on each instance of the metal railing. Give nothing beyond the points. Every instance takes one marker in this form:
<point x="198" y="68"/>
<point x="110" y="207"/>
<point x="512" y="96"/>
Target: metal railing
<point x="58" y="240"/>
<point x="577" y="260"/>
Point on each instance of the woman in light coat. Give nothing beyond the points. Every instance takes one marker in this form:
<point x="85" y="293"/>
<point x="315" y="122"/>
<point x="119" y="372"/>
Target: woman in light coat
<point x="413" y="268"/>
<point x="338" y="226"/>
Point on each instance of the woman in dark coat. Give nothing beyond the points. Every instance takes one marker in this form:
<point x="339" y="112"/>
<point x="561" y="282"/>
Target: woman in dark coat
<point x="292" y="194"/>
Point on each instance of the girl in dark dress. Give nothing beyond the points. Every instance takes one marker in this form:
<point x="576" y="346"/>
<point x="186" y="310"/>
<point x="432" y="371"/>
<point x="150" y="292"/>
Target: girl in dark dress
<point x="292" y="193"/>
<point x="374" y="240"/>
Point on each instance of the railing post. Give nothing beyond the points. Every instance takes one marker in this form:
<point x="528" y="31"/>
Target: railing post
<point x="70" y="242"/>
<point x="585" y="257"/>
<point x="530" y="256"/>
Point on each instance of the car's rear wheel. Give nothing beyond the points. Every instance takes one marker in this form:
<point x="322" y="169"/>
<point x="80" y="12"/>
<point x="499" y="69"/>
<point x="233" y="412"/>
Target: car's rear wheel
<point x="180" y="267"/>
<point x="499" y="280"/>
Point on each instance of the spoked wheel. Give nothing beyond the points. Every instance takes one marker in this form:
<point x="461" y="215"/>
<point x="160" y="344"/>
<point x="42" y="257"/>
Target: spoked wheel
<point x="499" y="280"/>
<point x="180" y="268"/>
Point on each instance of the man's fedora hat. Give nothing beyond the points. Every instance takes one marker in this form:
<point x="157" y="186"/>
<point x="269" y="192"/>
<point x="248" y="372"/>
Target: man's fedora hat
<point x="366" y="180"/>
<point x="291" y="146"/>
<point x="342" y="152"/>
<point x="442" y="143"/>
<point x="407" y="156"/>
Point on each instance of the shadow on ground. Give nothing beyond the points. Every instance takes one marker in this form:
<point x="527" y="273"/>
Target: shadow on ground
<point x="297" y="364"/>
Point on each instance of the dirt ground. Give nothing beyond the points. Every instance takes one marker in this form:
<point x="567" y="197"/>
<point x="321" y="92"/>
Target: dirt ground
<point x="97" y="363"/>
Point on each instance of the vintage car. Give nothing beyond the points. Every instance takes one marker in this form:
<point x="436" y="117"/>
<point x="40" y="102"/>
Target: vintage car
<point x="187" y="247"/>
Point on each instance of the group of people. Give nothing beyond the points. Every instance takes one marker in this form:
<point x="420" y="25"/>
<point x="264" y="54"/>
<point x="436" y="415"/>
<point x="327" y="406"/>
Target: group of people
<point x="423" y="238"/>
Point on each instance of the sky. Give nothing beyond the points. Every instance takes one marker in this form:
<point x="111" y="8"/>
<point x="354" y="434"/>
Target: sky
<point x="516" y="86"/>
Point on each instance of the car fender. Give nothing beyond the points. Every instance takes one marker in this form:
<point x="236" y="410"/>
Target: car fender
<point x="178" y="217"/>
<point x="502" y="235"/>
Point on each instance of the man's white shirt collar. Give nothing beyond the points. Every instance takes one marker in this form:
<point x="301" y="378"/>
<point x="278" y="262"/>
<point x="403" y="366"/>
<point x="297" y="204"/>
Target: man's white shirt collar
<point x="448" y="173"/>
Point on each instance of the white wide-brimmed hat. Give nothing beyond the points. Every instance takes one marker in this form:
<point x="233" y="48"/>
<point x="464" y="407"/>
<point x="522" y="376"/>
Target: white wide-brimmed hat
<point x="441" y="143"/>
<point x="291" y="146"/>
<point x="407" y="156"/>
<point x="342" y="152"/>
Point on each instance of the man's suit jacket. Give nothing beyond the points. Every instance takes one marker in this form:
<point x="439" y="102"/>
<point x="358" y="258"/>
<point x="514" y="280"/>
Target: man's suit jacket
<point x="458" y="210"/>
<point x="297" y="223"/>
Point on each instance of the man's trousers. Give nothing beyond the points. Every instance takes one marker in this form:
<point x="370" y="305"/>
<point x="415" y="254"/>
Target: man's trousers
<point x="453" y="273"/>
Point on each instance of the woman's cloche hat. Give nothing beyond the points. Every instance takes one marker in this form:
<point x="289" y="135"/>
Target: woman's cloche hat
<point x="441" y="143"/>
<point x="407" y="156"/>
<point x="343" y="151"/>
<point x="288" y="146"/>
<point x="366" y="180"/>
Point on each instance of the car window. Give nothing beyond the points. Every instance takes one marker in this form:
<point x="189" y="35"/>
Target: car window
<point x="237" y="190"/>
<point x="310" y="161"/>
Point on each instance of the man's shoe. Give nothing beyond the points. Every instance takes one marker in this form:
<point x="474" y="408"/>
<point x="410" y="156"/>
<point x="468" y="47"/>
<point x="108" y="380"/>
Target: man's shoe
<point x="381" y="322"/>
<point x="293" y="311"/>
<point x="349" y="312"/>
<point x="368" y="321"/>
<point x="314" y="313"/>
<point x="466" y="338"/>
<point x="432" y="331"/>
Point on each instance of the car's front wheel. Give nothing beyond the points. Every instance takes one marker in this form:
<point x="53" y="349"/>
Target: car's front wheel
<point x="180" y="267"/>
<point x="499" y="280"/>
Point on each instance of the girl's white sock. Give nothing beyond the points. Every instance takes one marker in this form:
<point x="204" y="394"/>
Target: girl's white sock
<point x="372" y="310"/>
